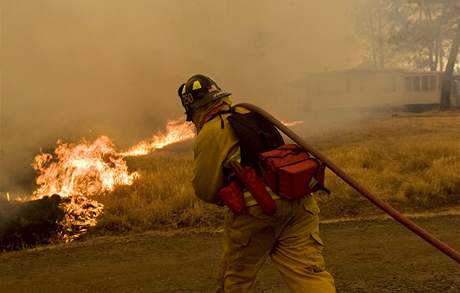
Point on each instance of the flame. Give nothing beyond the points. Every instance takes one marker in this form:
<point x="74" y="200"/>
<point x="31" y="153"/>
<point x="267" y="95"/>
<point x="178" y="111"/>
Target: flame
<point x="176" y="131"/>
<point x="80" y="171"/>
<point x="292" y="123"/>
<point x="82" y="168"/>
<point x="80" y="213"/>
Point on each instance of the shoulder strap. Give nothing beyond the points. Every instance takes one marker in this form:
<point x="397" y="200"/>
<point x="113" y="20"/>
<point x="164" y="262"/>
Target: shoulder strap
<point x="218" y="112"/>
<point x="255" y="135"/>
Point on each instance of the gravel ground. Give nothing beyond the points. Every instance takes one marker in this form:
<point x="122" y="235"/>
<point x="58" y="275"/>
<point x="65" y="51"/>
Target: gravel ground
<point x="363" y="256"/>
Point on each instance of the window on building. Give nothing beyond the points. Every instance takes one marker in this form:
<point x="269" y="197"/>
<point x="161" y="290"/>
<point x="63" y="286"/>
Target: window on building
<point x="433" y="82"/>
<point x="416" y="83"/>
<point x="408" y="81"/>
<point x="425" y="83"/>
<point x="456" y="92"/>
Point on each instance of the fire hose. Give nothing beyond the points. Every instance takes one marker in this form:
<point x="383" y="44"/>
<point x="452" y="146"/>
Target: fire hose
<point x="396" y="215"/>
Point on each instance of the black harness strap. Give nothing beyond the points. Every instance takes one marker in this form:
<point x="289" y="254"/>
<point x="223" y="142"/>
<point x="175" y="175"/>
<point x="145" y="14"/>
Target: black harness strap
<point x="255" y="135"/>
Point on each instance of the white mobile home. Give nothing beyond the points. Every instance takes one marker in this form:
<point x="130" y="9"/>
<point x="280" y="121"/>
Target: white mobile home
<point x="362" y="88"/>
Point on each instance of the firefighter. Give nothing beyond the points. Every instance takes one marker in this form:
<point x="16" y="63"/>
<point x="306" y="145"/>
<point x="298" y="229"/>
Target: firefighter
<point x="290" y="237"/>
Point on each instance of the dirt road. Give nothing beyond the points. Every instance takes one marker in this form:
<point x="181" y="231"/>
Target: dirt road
<point x="365" y="256"/>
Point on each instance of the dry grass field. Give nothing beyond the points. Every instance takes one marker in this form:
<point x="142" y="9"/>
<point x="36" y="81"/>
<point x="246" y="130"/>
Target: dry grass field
<point x="411" y="161"/>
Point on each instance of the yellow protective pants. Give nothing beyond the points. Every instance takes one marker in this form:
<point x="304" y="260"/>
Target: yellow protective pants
<point x="290" y="237"/>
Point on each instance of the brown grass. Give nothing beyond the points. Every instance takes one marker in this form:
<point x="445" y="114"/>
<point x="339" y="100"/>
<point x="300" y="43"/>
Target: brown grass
<point x="162" y="198"/>
<point x="412" y="161"/>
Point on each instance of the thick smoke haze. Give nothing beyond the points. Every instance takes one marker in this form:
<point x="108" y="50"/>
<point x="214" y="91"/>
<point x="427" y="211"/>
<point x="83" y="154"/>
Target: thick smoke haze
<point x="73" y="69"/>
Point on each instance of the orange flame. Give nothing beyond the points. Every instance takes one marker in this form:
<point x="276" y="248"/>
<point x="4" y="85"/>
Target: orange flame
<point x="292" y="123"/>
<point x="176" y="131"/>
<point x="88" y="169"/>
<point x="81" y="169"/>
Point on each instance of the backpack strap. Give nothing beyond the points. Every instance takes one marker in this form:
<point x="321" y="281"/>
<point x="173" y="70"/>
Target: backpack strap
<point x="218" y="112"/>
<point x="255" y="135"/>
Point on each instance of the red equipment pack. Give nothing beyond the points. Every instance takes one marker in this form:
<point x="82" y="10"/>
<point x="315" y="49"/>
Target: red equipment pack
<point x="291" y="172"/>
<point x="233" y="197"/>
<point x="286" y="169"/>
<point x="248" y="178"/>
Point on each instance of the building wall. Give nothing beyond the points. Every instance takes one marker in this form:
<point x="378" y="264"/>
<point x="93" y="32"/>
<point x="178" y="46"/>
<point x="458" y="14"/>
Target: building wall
<point x="355" y="89"/>
<point x="367" y="88"/>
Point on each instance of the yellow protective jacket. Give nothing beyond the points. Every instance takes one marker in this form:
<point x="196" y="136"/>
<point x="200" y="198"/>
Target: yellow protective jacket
<point x="215" y="146"/>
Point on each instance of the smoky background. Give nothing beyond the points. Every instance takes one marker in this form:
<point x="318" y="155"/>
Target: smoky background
<point x="73" y="69"/>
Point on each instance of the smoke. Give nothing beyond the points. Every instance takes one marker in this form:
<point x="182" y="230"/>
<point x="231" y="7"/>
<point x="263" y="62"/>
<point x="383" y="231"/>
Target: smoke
<point x="75" y="69"/>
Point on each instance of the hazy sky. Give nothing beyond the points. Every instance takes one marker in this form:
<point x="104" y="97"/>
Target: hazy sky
<point x="78" y="68"/>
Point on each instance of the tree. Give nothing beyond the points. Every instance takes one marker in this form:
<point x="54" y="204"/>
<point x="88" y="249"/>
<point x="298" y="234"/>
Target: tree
<point x="419" y="32"/>
<point x="448" y="73"/>
<point x="412" y="34"/>
<point x="371" y="26"/>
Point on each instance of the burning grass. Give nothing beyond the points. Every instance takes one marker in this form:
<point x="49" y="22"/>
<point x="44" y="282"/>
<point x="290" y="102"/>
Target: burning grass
<point x="89" y="168"/>
<point x="78" y="174"/>
<point x="411" y="161"/>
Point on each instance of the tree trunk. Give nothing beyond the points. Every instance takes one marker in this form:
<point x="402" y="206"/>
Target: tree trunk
<point x="381" y="54"/>
<point x="373" y="40"/>
<point x="441" y="55"/>
<point x="433" y="40"/>
<point x="431" y="57"/>
<point x="436" y="55"/>
<point x="447" y="79"/>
